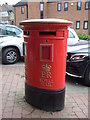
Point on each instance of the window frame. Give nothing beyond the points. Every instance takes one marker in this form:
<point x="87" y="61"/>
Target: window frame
<point x="85" y="5"/>
<point x="76" y="25"/>
<point x="84" y="25"/>
<point x="64" y="6"/>
<point x="80" y="5"/>
<point x="22" y="8"/>
<point x="41" y="11"/>
<point x="60" y="6"/>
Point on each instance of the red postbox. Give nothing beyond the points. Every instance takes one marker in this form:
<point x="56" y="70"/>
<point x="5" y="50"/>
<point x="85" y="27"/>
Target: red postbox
<point x="45" y="46"/>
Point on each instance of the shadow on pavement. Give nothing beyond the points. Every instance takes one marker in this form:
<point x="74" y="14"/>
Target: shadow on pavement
<point x="21" y="60"/>
<point x="74" y="81"/>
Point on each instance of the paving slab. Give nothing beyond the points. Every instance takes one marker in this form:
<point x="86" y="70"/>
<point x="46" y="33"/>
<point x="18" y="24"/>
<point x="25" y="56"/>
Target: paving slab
<point x="15" y="106"/>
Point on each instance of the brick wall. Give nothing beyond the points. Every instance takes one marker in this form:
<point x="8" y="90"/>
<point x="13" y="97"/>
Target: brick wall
<point x="89" y="20"/>
<point x="50" y="11"/>
<point x="45" y="11"/>
<point x="72" y="14"/>
<point x="33" y="10"/>
<point x="19" y="16"/>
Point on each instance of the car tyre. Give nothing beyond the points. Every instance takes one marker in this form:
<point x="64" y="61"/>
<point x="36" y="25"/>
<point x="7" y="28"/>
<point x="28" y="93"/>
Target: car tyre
<point x="10" y="56"/>
<point x="87" y="77"/>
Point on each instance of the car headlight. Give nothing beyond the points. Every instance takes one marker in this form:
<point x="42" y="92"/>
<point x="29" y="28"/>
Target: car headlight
<point x="79" y="57"/>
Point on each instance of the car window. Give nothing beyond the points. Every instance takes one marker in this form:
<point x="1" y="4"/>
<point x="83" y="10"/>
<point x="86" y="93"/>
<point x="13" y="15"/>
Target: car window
<point x="71" y="35"/>
<point x="2" y="31"/>
<point x="12" y="31"/>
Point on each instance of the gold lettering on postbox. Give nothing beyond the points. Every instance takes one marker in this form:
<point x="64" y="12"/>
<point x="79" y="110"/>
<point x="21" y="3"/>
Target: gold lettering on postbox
<point x="46" y="71"/>
<point x="46" y="76"/>
<point x="45" y="82"/>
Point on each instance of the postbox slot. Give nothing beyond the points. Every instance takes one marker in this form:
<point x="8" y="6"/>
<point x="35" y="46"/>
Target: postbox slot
<point x="46" y="33"/>
<point x="46" y="52"/>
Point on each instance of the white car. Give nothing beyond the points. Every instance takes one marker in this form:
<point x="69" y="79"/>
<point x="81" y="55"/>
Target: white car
<point x="72" y="37"/>
<point x="11" y="42"/>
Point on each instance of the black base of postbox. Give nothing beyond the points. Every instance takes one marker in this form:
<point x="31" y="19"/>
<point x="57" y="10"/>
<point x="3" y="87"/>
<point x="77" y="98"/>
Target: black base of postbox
<point x="45" y="99"/>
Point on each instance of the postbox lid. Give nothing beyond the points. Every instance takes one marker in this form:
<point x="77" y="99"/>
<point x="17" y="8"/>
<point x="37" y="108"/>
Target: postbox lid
<point x="52" y="20"/>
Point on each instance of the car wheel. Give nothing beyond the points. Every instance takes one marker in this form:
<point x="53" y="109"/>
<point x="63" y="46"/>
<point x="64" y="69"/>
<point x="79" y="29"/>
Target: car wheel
<point x="10" y="55"/>
<point x="87" y="77"/>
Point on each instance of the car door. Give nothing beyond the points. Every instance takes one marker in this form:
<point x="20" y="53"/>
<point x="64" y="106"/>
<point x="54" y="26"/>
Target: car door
<point x="18" y="35"/>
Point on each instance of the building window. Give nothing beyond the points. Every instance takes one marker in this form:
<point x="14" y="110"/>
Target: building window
<point x="86" y="5"/>
<point x="77" y="24"/>
<point x="85" y="25"/>
<point x="41" y="10"/>
<point x="22" y="10"/>
<point x="79" y="5"/>
<point x="59" y="6"/>
<point x="65" y="6"/>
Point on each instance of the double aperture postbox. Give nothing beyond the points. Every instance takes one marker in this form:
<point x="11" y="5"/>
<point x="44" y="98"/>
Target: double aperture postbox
<point x="44" y="49"/>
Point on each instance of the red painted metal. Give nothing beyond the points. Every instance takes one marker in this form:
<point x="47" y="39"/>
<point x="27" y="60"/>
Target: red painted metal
<point x="45" y="55"/>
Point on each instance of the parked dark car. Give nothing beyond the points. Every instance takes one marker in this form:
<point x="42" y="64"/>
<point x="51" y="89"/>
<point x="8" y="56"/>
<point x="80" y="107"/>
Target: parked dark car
<point x="78" y="62"/>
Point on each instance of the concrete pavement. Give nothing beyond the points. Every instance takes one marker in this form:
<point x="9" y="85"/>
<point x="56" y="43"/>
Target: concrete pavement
<point x="15" y="106"/>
